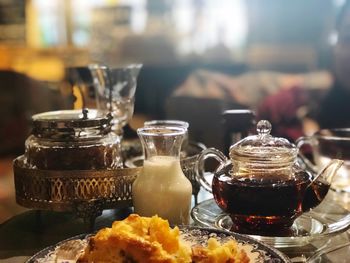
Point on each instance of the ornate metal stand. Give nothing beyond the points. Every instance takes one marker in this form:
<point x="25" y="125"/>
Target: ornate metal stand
<point x="85" y="193"/>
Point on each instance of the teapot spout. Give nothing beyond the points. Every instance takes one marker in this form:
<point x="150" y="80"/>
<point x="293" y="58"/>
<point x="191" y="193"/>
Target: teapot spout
<point x="329" y="171"/>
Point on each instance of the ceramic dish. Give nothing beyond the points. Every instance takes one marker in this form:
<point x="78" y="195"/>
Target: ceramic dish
<point x="326" y="220"/>
<point x="256" y="250"/>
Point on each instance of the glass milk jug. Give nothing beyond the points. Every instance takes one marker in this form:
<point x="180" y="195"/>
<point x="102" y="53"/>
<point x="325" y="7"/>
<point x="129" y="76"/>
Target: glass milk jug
<point x="162" y="188"/>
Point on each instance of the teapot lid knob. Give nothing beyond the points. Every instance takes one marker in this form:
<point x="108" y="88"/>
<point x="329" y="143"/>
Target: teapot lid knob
<point x="263" y="128"/>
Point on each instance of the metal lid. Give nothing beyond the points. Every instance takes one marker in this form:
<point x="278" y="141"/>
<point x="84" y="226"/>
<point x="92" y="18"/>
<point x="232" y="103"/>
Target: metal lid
<point x="264" y="148"/>
<point x="67" y="122"/>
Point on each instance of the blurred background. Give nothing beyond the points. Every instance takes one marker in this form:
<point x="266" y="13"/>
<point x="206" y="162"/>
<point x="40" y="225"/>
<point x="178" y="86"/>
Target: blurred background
<point x="216" y="55"/>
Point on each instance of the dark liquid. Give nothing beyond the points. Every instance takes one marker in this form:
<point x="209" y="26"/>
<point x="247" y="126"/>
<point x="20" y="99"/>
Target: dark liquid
<point x="315" y="194"/>
<point x="333" y="143"/>
<point x="266" y="207"/>
<point x="334" y="149"/>
<point x="74" y="158"/>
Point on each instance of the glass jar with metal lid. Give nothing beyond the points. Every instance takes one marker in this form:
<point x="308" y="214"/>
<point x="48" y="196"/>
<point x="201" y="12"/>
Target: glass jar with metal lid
<point x="72" y="140"/>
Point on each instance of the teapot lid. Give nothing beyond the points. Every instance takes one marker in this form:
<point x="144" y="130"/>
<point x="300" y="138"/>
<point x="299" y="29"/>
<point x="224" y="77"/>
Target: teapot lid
<point x="264" y="148"/>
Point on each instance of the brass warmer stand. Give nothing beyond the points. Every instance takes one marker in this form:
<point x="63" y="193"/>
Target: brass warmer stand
<point x="86" y="193"/>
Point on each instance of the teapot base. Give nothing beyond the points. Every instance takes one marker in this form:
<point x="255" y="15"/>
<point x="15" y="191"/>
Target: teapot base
<point x="262" y="225"/>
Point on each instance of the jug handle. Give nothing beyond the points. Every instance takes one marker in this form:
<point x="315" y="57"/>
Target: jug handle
<point x="300" y="142"/>
<point x="199" y="167"/>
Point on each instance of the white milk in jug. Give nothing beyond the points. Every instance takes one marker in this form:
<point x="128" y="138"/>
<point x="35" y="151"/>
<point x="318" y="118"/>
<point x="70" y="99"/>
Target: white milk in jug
<point x="163" y="189"/>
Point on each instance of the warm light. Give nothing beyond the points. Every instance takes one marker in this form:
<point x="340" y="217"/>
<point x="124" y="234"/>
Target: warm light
<point x="218" y="22"/>
<point x="46" y="69"/>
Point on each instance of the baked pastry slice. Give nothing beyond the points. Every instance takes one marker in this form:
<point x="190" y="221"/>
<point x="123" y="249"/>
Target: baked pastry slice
<point x="151" y="240"/>
<point x="137" y="239"/>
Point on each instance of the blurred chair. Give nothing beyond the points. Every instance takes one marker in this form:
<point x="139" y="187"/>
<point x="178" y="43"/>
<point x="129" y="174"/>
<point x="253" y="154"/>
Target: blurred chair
<point x="21" y="97"/>
<point x="237" y="124"/>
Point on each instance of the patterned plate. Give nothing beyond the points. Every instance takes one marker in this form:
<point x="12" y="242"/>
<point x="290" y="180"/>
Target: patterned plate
<point x="256" y="251"/>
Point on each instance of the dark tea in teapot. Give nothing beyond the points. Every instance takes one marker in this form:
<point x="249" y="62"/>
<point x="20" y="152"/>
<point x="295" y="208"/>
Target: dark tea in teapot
<point x="266" y="206"/>
<point x="262" y="187"/>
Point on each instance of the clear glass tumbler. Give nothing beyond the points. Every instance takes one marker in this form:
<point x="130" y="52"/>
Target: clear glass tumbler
<point x="115" y="92"/>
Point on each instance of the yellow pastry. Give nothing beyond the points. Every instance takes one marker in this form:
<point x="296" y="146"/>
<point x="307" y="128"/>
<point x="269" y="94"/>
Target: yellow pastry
<point x="152" y="240"/>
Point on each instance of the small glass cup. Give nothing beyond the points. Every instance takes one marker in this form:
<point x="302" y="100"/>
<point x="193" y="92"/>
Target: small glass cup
<point x="330" y="144"/>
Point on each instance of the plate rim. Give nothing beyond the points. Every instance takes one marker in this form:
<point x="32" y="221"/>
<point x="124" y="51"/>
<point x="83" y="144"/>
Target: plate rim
<point x="46" y="250"/>
<point x="239" y="237"/>
<point x="249" y="239"/>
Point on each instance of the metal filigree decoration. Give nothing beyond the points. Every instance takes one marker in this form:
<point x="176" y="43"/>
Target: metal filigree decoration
<point x="61" y="190"/>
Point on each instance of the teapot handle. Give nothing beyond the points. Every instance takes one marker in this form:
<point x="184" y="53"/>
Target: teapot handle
<point x="300" y="142"/>
<point x="199" y="167"/>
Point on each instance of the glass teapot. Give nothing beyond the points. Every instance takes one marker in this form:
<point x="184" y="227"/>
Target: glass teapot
<point x="262" y="187"/>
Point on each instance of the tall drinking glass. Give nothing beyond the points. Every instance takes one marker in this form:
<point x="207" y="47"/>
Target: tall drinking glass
<point x="115" y="92"/>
